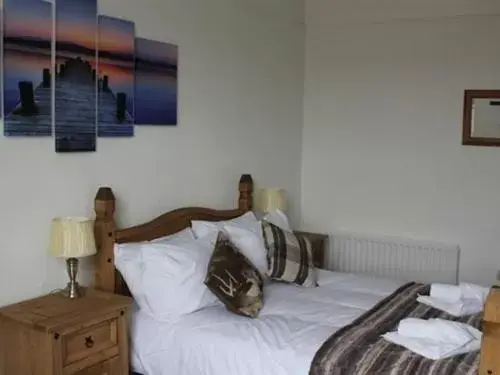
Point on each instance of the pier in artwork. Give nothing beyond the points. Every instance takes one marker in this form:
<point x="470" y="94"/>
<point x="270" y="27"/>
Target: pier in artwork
<point x="75" y="104"/>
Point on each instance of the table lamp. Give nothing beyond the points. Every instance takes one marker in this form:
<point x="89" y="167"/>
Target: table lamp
<point x="272" y="199"/>
<point x="72" y="238"/>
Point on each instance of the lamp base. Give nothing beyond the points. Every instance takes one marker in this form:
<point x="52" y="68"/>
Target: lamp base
<point x="73" y="290"/>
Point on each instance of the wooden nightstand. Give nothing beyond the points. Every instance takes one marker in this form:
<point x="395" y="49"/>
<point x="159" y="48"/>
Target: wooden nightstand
<point x="319" y="244"/>
<point x="490" y="347"/>
<point x="53" y="335"/>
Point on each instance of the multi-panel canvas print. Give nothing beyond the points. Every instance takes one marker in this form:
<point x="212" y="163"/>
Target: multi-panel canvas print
<point x="116" y="43"/>
<point x="27" y="67"/>
<point x="155" y="82"/>
<point x="75" y="89"/>
<point x="71" y="73"/>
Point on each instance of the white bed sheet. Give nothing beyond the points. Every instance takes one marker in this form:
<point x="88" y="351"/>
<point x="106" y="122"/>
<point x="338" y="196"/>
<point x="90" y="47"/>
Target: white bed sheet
<point x="282" y="341"/>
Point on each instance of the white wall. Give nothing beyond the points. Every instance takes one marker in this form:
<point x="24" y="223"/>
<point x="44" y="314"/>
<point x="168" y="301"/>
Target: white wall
<point x="241" y="86"/>
<point x="382" y="123"/>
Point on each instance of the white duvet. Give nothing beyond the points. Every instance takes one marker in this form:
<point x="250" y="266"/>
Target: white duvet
<point x="292" y="326"/>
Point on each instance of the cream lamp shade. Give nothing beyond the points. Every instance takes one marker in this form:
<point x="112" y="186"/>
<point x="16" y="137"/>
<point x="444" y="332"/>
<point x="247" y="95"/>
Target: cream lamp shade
<point x="72" y="237"/>
<point x="272" y="200"/>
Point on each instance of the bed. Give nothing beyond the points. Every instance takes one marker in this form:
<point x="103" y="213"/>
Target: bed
<point x="332" y="329"/>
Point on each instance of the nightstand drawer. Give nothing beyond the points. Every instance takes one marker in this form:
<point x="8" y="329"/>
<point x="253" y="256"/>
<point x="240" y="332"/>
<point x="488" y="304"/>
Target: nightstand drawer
<point x="88" y="341"/>
<point x="110" y="367"/>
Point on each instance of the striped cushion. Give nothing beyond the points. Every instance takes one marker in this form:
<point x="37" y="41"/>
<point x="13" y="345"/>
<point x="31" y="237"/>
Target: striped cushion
<point x="290" y="257"/>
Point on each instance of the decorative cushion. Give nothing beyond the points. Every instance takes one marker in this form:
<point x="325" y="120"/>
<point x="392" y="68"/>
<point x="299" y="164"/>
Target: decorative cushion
<point x="234" y="280"/>
<point x="290" y="257"/>
<point x="278" y="218"/>
<point x="245" y="232"/>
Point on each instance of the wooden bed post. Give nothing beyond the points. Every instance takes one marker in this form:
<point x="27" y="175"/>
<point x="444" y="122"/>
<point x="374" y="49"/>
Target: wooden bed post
<point x="104" y="230"/>
<point x="245" y="201"/>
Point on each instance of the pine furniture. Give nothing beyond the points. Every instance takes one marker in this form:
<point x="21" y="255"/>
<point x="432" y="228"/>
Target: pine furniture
<point x="490" y="348"/>
<point x="55" y="335"/>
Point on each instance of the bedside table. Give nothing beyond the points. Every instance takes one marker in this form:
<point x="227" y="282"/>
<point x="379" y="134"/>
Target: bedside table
<point x="490" y="346"/>
<point x="318" y="243"/>
<point x="54" y="335"/>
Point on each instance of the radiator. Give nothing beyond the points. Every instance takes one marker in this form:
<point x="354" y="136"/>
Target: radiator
<point x="394" y="257"/>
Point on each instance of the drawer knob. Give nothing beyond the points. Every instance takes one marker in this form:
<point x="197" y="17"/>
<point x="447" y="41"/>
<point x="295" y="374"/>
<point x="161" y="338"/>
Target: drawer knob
<point x="89" y="342"/>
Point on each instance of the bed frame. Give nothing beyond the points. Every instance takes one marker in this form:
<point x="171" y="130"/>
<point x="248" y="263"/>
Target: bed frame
<point x="106" y="277"/>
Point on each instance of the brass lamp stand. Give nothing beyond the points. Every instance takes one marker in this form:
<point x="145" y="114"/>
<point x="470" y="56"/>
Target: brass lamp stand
<point x="73" y="289"/>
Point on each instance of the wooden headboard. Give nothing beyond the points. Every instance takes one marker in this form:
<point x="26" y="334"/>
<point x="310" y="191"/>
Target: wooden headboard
<point x="106" y="277"/>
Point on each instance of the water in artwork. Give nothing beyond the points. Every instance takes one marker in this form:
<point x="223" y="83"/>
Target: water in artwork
<point x="155" y="83"/>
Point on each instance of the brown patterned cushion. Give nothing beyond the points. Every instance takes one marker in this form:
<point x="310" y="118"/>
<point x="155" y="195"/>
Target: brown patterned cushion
<point x="290" y="257"/>
<point x="234" y="280"/>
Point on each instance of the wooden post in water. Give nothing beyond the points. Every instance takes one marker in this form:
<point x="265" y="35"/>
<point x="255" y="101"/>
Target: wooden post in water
<point x="28" y="106"/>
<point x="61" y="69"/>
<point x="93" y="75"/>
<point x="121" y="104"/>
<point x="46" y="78"/>
<point x="105" y="84"/>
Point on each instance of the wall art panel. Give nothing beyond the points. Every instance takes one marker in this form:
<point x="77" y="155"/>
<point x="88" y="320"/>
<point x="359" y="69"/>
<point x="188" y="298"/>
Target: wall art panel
<point x="155" y="82"/>
<point x="116" y="43"/>
<point x="76" y="77"/>
<point x="27" y="67"/>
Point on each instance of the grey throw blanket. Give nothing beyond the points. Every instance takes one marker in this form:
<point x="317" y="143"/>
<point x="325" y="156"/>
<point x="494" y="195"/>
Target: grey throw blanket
<point x="359" y="349"/>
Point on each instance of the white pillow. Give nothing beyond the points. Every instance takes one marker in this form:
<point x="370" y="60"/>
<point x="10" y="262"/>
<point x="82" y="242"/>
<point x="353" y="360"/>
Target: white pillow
<point x="172" y="279"/>
<point x="128" y="258"/>
<point x="250" y="242"/>
<point x="202" y="228"/>
<point x="186" y="234"/>
<point x="249" y="239"/>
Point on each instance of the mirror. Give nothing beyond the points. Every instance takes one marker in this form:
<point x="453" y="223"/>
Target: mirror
<point x="481" y="118"/>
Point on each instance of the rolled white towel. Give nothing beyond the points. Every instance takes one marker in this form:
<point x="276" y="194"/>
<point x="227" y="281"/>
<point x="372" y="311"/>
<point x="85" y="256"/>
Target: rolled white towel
<point x="446" y="292"/>
<point x="474" y="291"/>
<point x="459" y="308"/>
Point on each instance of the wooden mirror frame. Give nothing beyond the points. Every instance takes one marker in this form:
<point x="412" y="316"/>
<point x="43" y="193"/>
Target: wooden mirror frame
<point x="467" y="137"/>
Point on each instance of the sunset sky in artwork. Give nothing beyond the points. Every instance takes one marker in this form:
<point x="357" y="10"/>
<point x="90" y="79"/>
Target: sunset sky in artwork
<point x="116" y="35"/>
<point x="77" y="22"/>
<point x="35" y="23"/>
<point x="156" y="51"/>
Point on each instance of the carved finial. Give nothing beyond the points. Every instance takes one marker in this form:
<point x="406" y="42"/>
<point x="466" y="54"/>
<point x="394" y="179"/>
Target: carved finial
<point x="245" y="201"/>
<point x="104" y="204"/>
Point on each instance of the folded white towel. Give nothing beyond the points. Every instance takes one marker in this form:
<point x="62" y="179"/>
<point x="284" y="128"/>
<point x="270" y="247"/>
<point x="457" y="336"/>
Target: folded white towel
<point x="435" y="338"/>
<point x="431" y="349"/>
<point x="446" y="292"/>
<point x="459" y="308"/>
<point x="436" y="329"/>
